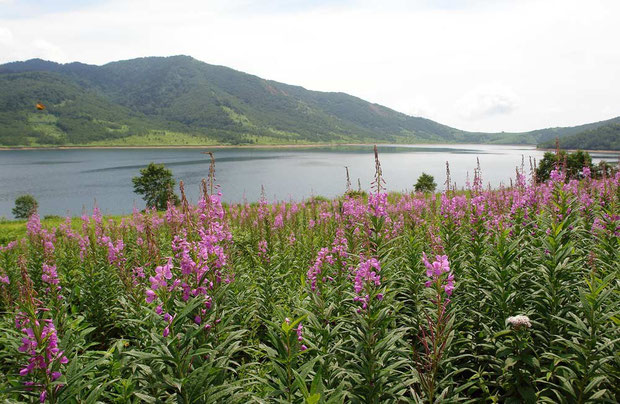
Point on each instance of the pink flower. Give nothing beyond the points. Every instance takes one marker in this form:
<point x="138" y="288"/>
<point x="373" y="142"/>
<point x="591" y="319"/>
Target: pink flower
<point x="50" y="275"/>
<point x="299" y="332"/>
<point x="436" y="269"/>
<point x="365" y="274"/>
<point x="150" y="295"/>
<point x="377" y="204"/>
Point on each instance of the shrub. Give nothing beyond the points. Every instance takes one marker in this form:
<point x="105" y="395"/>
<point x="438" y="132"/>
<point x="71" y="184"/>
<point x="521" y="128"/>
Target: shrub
<point x="156" y="185"/>
<point x="25" y="206"/>
<point x="573" y="163"/>
<point x="426" y="183"/>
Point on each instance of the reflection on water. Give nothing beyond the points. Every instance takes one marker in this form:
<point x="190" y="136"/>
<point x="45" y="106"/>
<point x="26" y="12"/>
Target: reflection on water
<point x="68" y="181"/>
<point x="188" y="163"/>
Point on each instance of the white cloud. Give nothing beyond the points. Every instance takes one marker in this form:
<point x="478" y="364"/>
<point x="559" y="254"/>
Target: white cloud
<point x="487" y="101"/>
<point x="47" y="50"/>
<point x="419" y="106"/>
<point x="419" y="57"/>
<point x="6" y="36"/>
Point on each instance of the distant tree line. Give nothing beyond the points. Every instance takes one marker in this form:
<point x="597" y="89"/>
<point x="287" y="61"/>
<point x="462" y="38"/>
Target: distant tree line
<point x="605" y="137"/>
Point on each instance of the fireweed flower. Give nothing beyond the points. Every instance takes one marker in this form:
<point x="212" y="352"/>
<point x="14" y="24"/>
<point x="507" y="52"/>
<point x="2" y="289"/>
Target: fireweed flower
<point x="137" y="273"/>
<point x="291" y="239"/>
<point x="315" y="270"/>
<point x="115" y="252"/>
<point x="4" y="278"/>
<point x="299" y="332"/>
<point x="326" y="256"/>
<point x="436" y="270"/>
<point x="40" y="343"/>
<point x="162" y="273"/>
<point x="33" y="226"/>
<point x="377" y="204"/>
<point x="50" y="276"/>
<point x="199" y="263"/>
<point x="366" y="275"/>
<point x="9" y="246"/>
<point x="454" y="208"/>
<point x="262" y="250"/>
<point x="278" y="222"/>
<point x="557" y="176"/>
<point x="340" y="245"/>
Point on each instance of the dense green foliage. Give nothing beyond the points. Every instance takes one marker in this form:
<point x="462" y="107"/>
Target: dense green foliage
<point x="156" y="185"/>
<point x="604" y="137"/>
<point x="25" y="205"/>
<point x="425" y="183"/>
<point x="125" y="102"/>
<point x="572" y="163"/>
<point x="322" y="301"/>
<point x="73" y="115"/>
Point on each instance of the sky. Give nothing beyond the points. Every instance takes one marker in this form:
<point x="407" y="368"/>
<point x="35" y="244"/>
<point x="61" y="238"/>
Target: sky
<point x="478" y="65"/>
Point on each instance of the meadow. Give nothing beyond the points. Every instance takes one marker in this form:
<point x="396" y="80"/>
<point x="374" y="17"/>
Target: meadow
<point x="471" y="295"/>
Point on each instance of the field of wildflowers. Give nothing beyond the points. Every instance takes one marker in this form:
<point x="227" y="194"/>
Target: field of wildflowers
<point x="507" y="295"/>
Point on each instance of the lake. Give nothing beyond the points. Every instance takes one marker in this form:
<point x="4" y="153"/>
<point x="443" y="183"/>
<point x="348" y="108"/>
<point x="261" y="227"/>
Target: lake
<point x="66" y="182"/>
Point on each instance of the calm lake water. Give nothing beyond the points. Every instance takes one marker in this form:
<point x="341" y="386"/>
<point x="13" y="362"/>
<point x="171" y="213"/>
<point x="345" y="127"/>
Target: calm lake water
<point x="70" y="181"/>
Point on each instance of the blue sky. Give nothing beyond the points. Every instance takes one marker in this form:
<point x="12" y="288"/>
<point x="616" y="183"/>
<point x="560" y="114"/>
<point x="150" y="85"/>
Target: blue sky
<point x="474" y="64"/>
<point x="33" y="8"/>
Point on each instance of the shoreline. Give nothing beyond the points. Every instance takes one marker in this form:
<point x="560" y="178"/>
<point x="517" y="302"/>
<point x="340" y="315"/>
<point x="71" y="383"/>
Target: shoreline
<point x="585" y="150"/>
<point x="217" y="146"/>
<point x="280" y="146"/>
<point x="246" y="146"/>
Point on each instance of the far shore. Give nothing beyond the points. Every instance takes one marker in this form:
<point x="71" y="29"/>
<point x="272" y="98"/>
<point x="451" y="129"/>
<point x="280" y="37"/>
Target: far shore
<point x="585" y="150"/>
<point x="218" y="146"/>
<point x="270" y="146"/>
<point x="243" y="146"/>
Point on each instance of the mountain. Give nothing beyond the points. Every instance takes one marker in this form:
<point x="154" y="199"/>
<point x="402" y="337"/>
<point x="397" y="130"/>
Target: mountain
<point x="548" y="135"/>
<point x="180" y="100"/>
<point x="605" y="137"/>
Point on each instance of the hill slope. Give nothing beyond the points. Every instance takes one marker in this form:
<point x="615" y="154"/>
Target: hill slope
<point x="605" y="137"/>
<point x="548" y="135"/>
<point x="180" y="100"/>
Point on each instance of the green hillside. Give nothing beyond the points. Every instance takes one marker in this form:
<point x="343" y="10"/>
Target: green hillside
<point x="73" y="114"/>
<point x="605" y="137"/>
<point x="180" y="100"/>
<point x="548" y="135"/>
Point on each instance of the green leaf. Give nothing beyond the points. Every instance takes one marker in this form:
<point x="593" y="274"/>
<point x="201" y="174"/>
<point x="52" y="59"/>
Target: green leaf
<point x="314" y="398"/>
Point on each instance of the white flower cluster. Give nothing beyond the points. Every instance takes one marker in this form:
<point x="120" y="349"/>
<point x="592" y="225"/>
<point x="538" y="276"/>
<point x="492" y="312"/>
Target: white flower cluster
<point x="518" y="321"/>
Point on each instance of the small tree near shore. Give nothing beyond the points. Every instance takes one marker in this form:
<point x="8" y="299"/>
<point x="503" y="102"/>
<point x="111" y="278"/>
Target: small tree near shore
<point x="25" y="206"/>
<point x="156" y="184"/>
<point x="426" y="183"/>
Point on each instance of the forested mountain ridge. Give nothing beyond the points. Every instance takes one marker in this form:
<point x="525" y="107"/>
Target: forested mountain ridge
<point x="604" y="137"/>
<point x="180" y="100"/>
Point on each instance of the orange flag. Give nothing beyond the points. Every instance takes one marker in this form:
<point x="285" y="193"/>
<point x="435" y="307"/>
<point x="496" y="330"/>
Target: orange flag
<point x="40" y="106"/>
